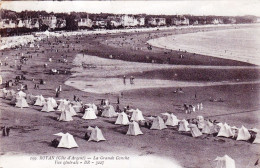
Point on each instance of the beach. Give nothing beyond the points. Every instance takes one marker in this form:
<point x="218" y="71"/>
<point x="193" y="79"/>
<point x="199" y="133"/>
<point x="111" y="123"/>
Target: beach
<point x="221" y="44"/>
<point x="112" y="56"/>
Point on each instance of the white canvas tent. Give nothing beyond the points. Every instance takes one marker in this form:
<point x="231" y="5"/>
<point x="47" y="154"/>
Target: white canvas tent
<point x="225" y="162"/>
<point x="122" y="119"/>
<point x="62" y="104"/>
<point x="67" y="141"/>
<point x="208" y="126"/>
<point x="53" y="102"/>
<point x="172" y="120"/>
<point x="65" y="116"/>
<point x="20" y="94"/>
<point x="225" y="131"/>
<point x="96" y="135"/>
<point x="184" y="125"/>
<point x="70" y="110"/>
<point x="109" y="112"/>
<point x="89" y="114"/>
<point x="137" y="115"/>
<point x="21" y="103"/>
<point x="40" y="101"/>
<point x="243" y="134"/>
<point x="195" y="132"/>
<point x="94" y="107"/>
<point x="201" y="122"/>
<point x="47" y="107"/>
<point x="158" y="124"/>
<point x="134" y="129"/>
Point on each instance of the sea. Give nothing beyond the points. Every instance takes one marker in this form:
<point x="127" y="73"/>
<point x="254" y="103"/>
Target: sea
<point x="242" y="44"/>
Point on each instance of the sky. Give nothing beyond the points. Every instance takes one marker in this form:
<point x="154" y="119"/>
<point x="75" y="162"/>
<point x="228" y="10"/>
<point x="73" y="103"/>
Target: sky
<point x="193" y="7"/>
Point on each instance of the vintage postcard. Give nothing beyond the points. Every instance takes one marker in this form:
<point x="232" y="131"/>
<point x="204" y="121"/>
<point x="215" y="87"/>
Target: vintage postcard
<point x="136" y="84"/>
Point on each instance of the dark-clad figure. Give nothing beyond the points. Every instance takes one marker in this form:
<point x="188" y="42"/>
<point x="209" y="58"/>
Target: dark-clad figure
<point x="6" y="131"/>
<point x="124" y="78"/>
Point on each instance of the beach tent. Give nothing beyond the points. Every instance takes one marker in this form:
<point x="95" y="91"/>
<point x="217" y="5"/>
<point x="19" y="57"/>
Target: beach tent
<point x="89" y="114"/>
<point x="21" y="103"/>
<point x="70" y="110"/>
<point x="195" y="132"/>
<point x="93" y="106"/>
<point x="257" y="138"/>
<point x="225" y="131"/>
<point x="134" y="129"/>
<point x="20" y="94"/>
<point x="201" y="122"/>
<point x="207" y="128"/>
<point x="122" y="119"/>
<point x="47" y="107"/>
<point x="137" y="115"/>
<point x="62" y="104"/>
<point x="90" y="128"/>
<point x="96" y="135"/>
<point x="40" y="101"/>
<point x="53" y="102"/>
<point x="65" y="116"/>
<point x="10" y="94"/>
<point x="225" y="162"/>
<point x="243" y="134"/>
<point x="172" y="120"/>
<point x="158" y="123"/>
<point x="184" y="125"/>
<point x="67" y="141"/>
<point x="109" y="111"/>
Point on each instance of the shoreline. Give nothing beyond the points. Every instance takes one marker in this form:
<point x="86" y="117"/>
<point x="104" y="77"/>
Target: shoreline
<point x="178" y="42"/>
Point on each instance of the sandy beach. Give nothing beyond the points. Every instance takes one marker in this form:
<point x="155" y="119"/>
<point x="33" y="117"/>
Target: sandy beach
<point x="223" y="44"/>
<point x="118" y="54"/>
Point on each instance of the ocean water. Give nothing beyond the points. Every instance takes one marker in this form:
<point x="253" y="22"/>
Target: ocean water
<point x="235" y="44"/>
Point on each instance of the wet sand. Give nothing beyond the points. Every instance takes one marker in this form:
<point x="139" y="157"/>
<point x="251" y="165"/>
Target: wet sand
<point x="222" y="44"/>
<point x="106" y="75"/>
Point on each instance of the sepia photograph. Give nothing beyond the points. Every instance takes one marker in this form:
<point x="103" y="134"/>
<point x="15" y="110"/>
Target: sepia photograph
<point x="137" y="84"/>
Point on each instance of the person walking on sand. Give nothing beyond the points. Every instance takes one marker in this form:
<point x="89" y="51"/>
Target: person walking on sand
<point x="131" y="80"/>
<point x="57" y="92"/>
<point x="59" y="89"/>
<point x="118" y="101"/>
<point x="124" y="78"/>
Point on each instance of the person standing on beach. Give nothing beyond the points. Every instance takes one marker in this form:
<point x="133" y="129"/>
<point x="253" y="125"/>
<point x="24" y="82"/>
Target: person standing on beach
<point x="131" y="80"/>
<point x="59" y="89"/>
<point x="57" y="92"/>
<point x="124" y="78"/>
<point x="118" y="101"/>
